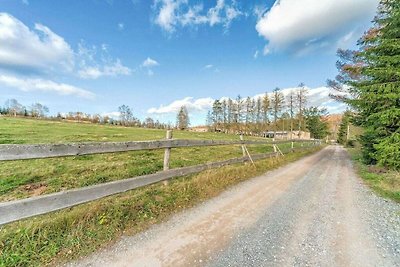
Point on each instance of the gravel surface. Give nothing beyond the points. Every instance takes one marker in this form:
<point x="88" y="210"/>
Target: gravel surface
<point x="313" y="212"/>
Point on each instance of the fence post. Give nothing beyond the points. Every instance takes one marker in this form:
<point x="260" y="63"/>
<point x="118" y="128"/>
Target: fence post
<point x="243" y="148"/>
<point x="167" y="154"/>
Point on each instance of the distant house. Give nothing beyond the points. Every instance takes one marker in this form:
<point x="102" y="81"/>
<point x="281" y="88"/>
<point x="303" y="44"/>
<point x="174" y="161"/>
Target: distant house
<point x="286" y="135"/>
<point x="199" y="129"/>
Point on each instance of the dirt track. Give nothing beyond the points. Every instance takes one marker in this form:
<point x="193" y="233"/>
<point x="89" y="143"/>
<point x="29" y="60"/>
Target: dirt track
<point x="314" y="212"/>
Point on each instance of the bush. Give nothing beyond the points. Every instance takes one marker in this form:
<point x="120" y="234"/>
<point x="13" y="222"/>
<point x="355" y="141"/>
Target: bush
<point x="388" y="151"/>
<point x="351" y="143"/>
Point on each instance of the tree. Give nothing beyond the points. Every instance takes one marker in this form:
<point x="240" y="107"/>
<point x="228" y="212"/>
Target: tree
<point x="182" y="119"/>
<point x="277" y="102"/>
<point x="301" y="102"/>
<point x="291" y="103"/>
<point x="13" y="107"/>
<point x="369" y="82"/>
<point x="342" y="132"/>
<point x="217" y="114"/>
<point x="149" y="123"/>
<point x="39" y="110"/>
<point x="126" y="115"/>
<point x="248" y="111"/>
<point x="265" y="108"/>
<point x="239" y="109"/>
<point x="314" y="123"/>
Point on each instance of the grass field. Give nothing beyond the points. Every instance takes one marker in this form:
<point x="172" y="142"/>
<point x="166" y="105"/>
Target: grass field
<point x="31" y="131"/>
<point x="25" y="178"/>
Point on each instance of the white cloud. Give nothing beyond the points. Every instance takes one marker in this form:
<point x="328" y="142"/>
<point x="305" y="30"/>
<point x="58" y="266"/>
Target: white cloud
<point x="259" y="10"/>
<point x="174" y="13"/>
<point x="29" y="85"/>
<point x="37" y="49"/>
<point x="41" y="50"/>
<point x="191" y="104"/>
<point x="121" y="26"/>
<point x="211" y="67"/>
<point x="298" y="24"/>
<point x="148" y="63"/>
<point x="95" y="63"/>
<point x="114" y="69"/>
<point x="255" y="56"/>
<point x="150" y="72"/>
<point x="317" y="97"/>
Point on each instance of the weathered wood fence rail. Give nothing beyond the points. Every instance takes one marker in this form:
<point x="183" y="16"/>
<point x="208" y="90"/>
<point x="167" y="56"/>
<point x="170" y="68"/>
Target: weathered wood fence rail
<point x="19" y="209"/>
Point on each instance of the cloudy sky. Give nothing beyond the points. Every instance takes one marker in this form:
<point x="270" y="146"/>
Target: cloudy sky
<point x="158" y="55"/>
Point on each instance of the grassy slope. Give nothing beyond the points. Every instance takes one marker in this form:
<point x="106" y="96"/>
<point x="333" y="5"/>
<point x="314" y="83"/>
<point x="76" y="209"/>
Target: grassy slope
<point x="385" y="182"/>
<point x="21" y="179"/>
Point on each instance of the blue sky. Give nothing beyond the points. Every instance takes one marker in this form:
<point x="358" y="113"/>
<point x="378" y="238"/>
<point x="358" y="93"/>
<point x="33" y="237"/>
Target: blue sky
<point x="155" y="56"/>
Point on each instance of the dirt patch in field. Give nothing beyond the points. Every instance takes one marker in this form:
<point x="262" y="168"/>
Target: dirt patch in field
<point x="35" y="189"/>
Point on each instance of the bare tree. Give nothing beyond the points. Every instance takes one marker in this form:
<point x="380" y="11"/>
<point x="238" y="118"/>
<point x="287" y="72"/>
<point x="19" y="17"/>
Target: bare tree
<point x="291" y="103"/>
<point x="13" y="107"/>
<point x="266" y="106"/>
<point x="277" y="103"/>
<point x="125" y="114"/>
<point x="301" y="102"/>
<point x="39" y="110"/>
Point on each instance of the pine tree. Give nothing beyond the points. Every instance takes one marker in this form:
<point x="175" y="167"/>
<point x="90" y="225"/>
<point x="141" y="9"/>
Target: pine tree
<point x="182" y="119"/>
<point x="342" y="133"/>
<point x="371" y="76"/>
<point x="314" y="123"/>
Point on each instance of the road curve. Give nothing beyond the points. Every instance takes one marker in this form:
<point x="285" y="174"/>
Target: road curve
<point x="313" y="212"/>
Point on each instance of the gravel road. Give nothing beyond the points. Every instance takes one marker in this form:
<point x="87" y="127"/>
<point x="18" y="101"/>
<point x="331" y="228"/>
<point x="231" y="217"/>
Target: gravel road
<point x="313" y="212"/>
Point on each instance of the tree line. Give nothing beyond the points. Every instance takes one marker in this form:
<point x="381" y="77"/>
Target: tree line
<point x="13" y="108"/>
<point x="270" y="112"/>
<point x="369" y="82"/>
<point x="126" y="118"/>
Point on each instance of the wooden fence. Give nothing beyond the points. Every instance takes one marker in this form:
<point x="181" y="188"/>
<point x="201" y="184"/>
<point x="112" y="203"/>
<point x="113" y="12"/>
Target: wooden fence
<point x="19" y="209"/>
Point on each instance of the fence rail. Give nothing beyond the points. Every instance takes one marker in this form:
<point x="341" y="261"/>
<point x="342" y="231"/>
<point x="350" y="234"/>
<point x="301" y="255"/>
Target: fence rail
<point x="38" y="151"/>
<point x="20" y="209"/>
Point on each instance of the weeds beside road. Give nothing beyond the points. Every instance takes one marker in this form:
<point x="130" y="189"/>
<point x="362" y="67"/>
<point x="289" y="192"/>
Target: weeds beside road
<point x="385" y="182"/>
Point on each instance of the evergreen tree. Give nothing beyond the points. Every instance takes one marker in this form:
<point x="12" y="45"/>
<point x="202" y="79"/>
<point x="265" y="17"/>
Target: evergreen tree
<point x="342" y="132"/>
<point x="182" y="119"/>
<point x="371" y="77"/>
<point x="314" y="122"/>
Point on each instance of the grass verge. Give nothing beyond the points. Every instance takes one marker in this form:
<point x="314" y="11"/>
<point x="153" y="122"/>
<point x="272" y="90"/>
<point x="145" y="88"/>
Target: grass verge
<point x="78" y="231"/>
<point x="384" y="182"/>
